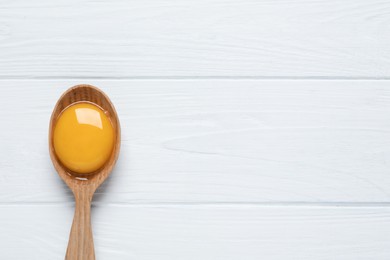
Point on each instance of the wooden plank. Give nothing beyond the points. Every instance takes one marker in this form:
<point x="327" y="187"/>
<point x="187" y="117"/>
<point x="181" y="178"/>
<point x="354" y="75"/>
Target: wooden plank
<point x="205" y="38"/>
<point x="213" y="141"/>
<point x="201" y="232"/>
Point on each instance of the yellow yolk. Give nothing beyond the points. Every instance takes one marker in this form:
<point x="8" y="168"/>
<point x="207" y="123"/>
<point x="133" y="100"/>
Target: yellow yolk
<point x="83" y="138"/>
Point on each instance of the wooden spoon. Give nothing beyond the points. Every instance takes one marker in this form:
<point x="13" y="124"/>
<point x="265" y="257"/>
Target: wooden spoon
<point x="80" y="246"/>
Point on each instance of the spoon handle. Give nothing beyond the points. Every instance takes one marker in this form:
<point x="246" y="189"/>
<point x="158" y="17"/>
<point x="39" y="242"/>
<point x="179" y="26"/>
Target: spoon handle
<point x="80" y="245"/>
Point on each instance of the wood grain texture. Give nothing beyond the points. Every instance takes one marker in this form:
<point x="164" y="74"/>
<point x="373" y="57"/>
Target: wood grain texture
<point x="80" y="244"/>
<point x="205" y="38"/>
<point x="83" y="186"/>
<point x="217" y="161"/>
<point x="214" y="141"/>
<point x="202" y="232"/>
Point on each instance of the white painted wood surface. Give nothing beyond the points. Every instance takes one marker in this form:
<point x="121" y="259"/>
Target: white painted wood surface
<point x="251" y="129"/>
<point x="203" y="38"/>
<point x="210" y="169"/>
<point x="202" y="232"/>
<point x="215" y="141"/>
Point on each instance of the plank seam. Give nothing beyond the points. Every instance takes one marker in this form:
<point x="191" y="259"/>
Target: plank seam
<point x="213" y="204"/>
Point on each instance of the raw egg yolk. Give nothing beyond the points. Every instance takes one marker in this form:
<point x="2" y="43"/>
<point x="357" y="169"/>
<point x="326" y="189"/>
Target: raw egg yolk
<point x="83" y="138"/>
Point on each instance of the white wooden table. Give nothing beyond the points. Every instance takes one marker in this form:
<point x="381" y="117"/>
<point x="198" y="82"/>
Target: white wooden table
<point x="251" y="129"/>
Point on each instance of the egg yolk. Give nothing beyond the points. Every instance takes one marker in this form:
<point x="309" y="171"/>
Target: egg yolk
<point x="83" y="138"/>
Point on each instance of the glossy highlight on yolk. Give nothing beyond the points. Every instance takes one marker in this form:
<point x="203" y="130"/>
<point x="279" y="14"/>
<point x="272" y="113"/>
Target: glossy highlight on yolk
<point x="83" y="138"/>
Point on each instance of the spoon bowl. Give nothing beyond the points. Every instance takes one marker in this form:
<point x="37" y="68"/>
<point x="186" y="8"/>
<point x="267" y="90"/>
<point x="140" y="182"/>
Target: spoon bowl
<point x="83" y="186"/>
